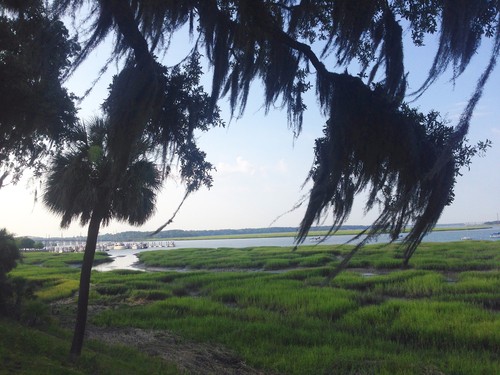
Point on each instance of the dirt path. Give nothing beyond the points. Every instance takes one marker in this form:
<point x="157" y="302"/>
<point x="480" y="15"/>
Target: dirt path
<point x="191" y="357"/>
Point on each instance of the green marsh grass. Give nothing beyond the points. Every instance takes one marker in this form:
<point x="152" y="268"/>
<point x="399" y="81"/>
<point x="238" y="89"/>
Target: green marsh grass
<point x="458" y="256"/>
<point x="58" y="259"/>
<point x="357" y="325"/>
<point x="58" y="289"/>
<point x="51" y="274"/>
<point x="450" y="256"/>
<point x="270" y="258"/>
<point x="30" y="351"/>
<point x="439" y="316"/>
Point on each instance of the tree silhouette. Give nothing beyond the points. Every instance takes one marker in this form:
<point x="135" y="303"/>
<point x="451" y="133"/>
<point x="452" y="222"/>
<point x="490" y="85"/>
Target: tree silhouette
<point x="77" y="187"/>
<point x="35" y="109"/>
<point x="286" y="43"/>
<point x="9" y="255"/>
<point x="114" y="168"/>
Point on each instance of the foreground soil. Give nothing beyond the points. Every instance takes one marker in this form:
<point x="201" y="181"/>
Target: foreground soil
<point x="189" y="356"/>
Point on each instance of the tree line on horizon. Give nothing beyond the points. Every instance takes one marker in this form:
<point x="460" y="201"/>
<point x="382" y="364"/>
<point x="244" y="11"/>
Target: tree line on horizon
<point x="176" y="233"/>
<point x="181" y="233"/>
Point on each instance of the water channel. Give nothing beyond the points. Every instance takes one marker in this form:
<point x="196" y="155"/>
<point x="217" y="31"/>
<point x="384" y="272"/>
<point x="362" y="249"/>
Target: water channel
<point x="127" y="259"/>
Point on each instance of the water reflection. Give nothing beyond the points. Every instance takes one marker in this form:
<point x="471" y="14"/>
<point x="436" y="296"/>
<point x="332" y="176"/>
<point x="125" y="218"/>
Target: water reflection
<point x="121" y="260"/>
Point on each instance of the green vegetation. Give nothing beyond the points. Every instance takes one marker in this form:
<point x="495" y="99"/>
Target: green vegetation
<point x="455" y="256"/>
<point x="55" y="275"/>
<point x="40" y="346"/>
<point x="29" y="351"/>
<point x="28" y="243"/>
<point x="439" y="316"/>
<point x="9" y="255"/>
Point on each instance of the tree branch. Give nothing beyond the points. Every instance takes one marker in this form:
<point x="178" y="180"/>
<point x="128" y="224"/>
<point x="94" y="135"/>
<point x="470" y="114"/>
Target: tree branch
<point x="127" y="25"/>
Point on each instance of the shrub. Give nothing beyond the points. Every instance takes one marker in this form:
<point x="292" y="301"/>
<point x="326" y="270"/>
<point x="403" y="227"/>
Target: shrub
<point x="9" y="252"/>
<point x="9" y="255"/>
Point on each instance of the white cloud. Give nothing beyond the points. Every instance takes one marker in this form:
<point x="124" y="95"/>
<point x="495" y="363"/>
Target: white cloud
<point x="244" y="167"/>
<point x="239" y="166"/>
<point x="282" y="166"/>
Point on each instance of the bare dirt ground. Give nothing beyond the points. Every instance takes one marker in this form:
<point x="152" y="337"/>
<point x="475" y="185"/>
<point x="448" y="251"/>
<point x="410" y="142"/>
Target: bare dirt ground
<point x="189" y="356"/>
<point x="193" y="358"/>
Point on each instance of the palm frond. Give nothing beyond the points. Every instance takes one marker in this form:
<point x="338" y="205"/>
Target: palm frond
<point x="135" y="200"/>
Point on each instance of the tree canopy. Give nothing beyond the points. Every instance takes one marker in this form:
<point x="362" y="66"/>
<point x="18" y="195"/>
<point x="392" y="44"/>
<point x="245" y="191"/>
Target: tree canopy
<point x="35" y="109"/>
<point x="76" y="176"/>
<point x="291" y="47"/>
<point x="287" y="44"/>
<point x="28" y="243"/>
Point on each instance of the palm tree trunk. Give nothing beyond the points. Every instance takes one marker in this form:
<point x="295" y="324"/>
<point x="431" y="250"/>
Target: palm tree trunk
<point x="83" y="293"/>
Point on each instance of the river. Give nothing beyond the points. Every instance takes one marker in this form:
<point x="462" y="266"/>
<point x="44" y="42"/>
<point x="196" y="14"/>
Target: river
<point x="126" y="259"/>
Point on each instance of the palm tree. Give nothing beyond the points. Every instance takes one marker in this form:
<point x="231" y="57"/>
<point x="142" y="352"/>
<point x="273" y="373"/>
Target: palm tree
<point x="78" y="186"/>
<point x="106" y="174"/>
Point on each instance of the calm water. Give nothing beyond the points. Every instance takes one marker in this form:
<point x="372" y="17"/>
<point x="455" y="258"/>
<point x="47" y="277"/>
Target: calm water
<point x="126" y="259"/>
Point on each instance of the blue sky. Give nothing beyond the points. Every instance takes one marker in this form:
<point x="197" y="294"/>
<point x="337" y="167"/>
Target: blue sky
<point x="261" y="167"/>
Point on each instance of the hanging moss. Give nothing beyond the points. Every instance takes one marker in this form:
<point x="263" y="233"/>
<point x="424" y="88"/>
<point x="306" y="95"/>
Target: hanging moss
<point x="407" y="161"/>
<point x="372" y="143"/>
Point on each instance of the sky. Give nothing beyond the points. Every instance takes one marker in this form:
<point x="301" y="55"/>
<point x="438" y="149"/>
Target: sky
<point x="261" y="166"/>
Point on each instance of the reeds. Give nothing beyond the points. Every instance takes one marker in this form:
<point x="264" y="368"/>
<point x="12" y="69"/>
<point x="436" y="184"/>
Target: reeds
<point x="440" y="316"/>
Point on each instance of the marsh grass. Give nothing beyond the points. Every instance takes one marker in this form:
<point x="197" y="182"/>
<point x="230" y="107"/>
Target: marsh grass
<point x="30" y="351"/>
<point x="267" y="258"/>
<point x="56" y="260"/>
<point x="58" y="289"/>
<point x="458" y="256"/>
<point x="439" y="316"/>
<point x="52" y="277"/>
<point x="450" y="256"/>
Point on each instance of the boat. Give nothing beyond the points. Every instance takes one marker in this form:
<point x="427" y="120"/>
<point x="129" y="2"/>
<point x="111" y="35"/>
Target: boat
<point x="466" y="238"/>
<point x="119" y="246"/>
<point x="495" y="235"/>
<point x="139" y="245"/>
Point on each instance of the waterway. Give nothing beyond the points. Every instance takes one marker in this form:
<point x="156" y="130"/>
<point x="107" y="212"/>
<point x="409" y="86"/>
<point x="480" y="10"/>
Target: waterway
<point x="127" y="259"/>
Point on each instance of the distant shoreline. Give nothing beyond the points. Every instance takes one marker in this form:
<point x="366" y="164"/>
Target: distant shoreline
<point x="321" y="233"/>
<point x="183" y="235"/>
